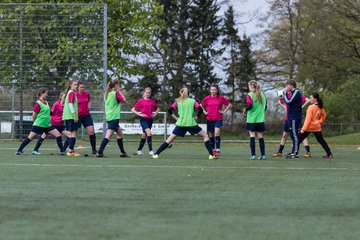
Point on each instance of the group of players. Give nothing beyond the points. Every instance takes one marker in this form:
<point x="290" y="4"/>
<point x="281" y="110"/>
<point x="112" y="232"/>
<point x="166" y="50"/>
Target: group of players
<point x="72" y="111"/>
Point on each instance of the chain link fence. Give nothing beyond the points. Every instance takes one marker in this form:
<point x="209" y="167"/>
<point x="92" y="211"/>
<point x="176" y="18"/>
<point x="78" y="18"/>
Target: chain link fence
<point x="46" y="45"/>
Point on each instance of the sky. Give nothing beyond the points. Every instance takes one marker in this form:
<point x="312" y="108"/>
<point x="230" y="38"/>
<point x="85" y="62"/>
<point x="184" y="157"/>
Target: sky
<point x="248" y="13"/>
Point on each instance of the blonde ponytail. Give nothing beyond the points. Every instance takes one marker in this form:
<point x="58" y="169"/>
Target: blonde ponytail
<point x="255" y="84"/>
<point x="184" y="93"/>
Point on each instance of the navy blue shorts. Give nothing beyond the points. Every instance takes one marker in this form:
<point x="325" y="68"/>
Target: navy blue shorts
<point x="146" y="123"/>
<point x="181" y="131"/>
<point x="286" y="126"/>
<point x="70" y="125"/>
<point x="211" y="125"/>
<point x="85" y="121"/>
<point x="41" y="130"/>
<point x="60" y="128"/>
<point x="113" y="125"/>
<point x="255" y="127"/>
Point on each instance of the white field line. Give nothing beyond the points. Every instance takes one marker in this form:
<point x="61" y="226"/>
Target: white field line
<point x="167" y="166"/>
<point x="45" y="149"/>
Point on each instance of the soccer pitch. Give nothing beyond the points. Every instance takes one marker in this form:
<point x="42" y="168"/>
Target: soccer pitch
<point x="181" y="195"/>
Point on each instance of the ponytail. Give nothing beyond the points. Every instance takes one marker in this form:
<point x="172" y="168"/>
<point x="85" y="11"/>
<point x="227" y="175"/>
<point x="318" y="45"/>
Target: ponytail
<point x="255" y="85"/>
<point x="184" y="93"/>
<point x="319" y="100"/>
<point x="110" y="87"/>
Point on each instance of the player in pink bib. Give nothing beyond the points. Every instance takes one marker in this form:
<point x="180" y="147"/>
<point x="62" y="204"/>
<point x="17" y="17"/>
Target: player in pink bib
<point x="213" y="109"/>
<point x="146" y="108"/>
<point x="85" y="119"/>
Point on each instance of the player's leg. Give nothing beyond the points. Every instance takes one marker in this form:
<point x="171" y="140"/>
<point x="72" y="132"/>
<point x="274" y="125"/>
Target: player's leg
<point x="259" y="135"/>
<point x="55" y="133"/>
<point x="323" y="143"/>
<point x="167" y="142"/>
<point x="307" y="148"/>
<point x="34" y="132"/>
<point x="120" y="143"/>
<point x="38" y="144"/>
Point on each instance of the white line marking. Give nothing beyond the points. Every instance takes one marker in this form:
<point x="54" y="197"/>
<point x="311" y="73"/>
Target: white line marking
<point x="167" y="166"/>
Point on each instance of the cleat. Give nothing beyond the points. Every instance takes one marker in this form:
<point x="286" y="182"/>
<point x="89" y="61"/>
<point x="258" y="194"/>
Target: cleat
<point x="19" y="153"/>
<point x="328" y="156"/>
<point x="62" y="154"/>
<point x="253" y="157"/>
<point x="151" y="153"/>
<point x="291" y="156"/>
<point x="155" y="156"/>
<point x="124" y="155"/>
<point x="216" y="153"/>
<point x="307" y="155"/>
<point x="99" y="154"/>
<point x="94" y="152"/>
<point x="277" y="154"/>
<point x="35" y="153"/>
<point x="73" y="154"/>
<point x="212" y="157"/>
<point x="139" y="152"/>
<point x="263" y="157"/>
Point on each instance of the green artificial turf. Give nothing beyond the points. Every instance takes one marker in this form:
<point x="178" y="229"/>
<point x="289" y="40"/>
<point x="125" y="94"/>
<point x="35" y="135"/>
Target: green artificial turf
<point x="181" y="195"/>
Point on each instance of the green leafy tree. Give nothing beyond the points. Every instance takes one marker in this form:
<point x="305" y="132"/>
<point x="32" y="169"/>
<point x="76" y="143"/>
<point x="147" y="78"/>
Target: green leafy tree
<point x="280" y="57"/>
<point x="61" y="42"/>
<point x="231" y="43"/>
<point x="241" y="66"/>
<point x="204" y="33"/>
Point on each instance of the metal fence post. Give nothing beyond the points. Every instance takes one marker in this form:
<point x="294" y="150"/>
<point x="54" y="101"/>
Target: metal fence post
<point x="104" y="81"/>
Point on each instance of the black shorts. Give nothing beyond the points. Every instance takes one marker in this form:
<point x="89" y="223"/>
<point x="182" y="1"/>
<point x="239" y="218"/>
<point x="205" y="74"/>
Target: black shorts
<point x="85" y="121"/>
<point x="181" y="131"/>
<point x="146" y="123"/>
<point x="113" y="125"/>
<point x="255" y="127"/>
<point x="70" y="125"/>
<point x="41" y="130"/>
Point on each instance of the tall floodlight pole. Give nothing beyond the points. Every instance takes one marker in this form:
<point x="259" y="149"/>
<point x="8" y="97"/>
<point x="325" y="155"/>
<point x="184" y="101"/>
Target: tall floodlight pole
<point x="21" y="123"/>
<point x="104" y="62"/>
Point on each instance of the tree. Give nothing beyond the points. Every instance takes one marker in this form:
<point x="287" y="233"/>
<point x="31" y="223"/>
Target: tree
<point x="203" y="36"/>
<point x="61" y="42"/>
<point x="241" y="67"/>
<point x="280" y="57"/>
<point x="231" y="42"/>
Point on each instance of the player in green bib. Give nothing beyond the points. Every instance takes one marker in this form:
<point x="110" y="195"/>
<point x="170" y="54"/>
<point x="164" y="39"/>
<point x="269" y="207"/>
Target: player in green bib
<point x="113" y="98"/>
<point x="70" y="116"/>
<point x="185" y="122"/>
<point x="255" y="118"/>
<point x="41" y="123"/>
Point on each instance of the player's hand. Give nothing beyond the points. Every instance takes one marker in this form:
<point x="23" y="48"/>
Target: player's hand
<point x="244" y="113"/>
